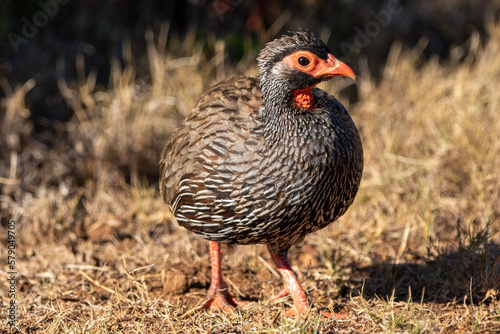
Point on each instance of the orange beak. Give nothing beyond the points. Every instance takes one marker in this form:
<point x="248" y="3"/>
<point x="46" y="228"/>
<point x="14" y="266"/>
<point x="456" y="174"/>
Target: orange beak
<point x="334" y="67"/>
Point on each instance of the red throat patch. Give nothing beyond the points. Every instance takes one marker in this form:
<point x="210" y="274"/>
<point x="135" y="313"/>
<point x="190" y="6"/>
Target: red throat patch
<point x="304" y="98"/>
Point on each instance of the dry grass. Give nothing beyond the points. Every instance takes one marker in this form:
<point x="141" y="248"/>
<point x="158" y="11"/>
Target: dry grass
<point x="98" y="252"/>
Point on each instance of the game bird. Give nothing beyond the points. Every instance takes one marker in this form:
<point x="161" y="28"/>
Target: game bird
<point x="265" y="160"/>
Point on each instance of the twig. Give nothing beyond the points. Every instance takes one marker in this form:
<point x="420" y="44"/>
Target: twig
<point x="264" y="262"/>
<point x="86" y="267"/>
<point x="235" y="287"/>
<point x="141" y="268"/>
<point x="97" y="284"/>
<point x="194" y="309"/>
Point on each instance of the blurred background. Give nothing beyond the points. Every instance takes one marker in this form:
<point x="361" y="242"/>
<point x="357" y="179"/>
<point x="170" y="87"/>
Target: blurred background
<point x="39" y="34"/>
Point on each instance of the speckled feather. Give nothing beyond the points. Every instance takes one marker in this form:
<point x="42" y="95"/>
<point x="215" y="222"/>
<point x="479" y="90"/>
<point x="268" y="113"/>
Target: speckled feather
<point x="249" y="169"/>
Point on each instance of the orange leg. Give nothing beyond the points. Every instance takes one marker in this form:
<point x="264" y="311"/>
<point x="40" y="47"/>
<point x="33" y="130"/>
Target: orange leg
<point x="293" y="288"/>
<point x="218" y="296"/>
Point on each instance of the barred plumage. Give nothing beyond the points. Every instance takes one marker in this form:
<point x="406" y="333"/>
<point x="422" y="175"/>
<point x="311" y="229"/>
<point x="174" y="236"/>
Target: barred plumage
<point x="253" y="164"/>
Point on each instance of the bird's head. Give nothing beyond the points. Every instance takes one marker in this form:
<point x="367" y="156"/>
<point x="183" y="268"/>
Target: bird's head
<point x="294" y="64"/>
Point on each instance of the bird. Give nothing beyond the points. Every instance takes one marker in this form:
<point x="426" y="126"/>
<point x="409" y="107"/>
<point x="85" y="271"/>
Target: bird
<point x="265" y="160"/>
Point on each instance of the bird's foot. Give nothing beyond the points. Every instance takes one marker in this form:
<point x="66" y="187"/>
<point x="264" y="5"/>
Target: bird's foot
<point x="300" y="303"/>
<point x="296" y="311"/>
<point x="292" y="287"/>
<point x="222" y="300"/>
<point x="284" y="293"/>
<point x="218" y="296"/>
<point x="302" y="309"/>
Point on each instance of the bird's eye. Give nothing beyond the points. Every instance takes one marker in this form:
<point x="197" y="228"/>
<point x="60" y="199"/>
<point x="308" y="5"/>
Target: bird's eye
<point x="303" y="61"/>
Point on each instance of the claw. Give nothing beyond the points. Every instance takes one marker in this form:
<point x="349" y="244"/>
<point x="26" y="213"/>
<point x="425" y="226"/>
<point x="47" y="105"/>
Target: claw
<point x="293" y="288"/>
<point x="222" y="300"/>
<point x="282" y="294"/>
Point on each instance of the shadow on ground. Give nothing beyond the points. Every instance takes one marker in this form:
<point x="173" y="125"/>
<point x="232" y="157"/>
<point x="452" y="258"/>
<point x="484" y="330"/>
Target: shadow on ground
<point x="470" y="273"/>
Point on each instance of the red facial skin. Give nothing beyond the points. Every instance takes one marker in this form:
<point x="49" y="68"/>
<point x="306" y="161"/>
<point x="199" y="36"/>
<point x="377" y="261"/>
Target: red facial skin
<point x="318" y="68"/>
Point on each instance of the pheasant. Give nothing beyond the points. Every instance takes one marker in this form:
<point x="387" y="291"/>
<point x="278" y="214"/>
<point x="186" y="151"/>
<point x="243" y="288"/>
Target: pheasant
<point x="265" y="160"/>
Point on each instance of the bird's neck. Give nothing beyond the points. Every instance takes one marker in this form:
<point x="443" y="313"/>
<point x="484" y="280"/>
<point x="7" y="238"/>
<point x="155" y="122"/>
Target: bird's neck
<point x="283" y="107"/>
<point x="277" y="93"/>
<point x="304" y="99"/>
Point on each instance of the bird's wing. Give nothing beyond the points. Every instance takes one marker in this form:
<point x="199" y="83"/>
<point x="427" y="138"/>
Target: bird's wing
<point x="221" y="123"/>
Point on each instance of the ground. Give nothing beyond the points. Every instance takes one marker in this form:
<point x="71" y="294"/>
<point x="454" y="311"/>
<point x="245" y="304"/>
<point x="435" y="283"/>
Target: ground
<point x="125" y="285"/>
